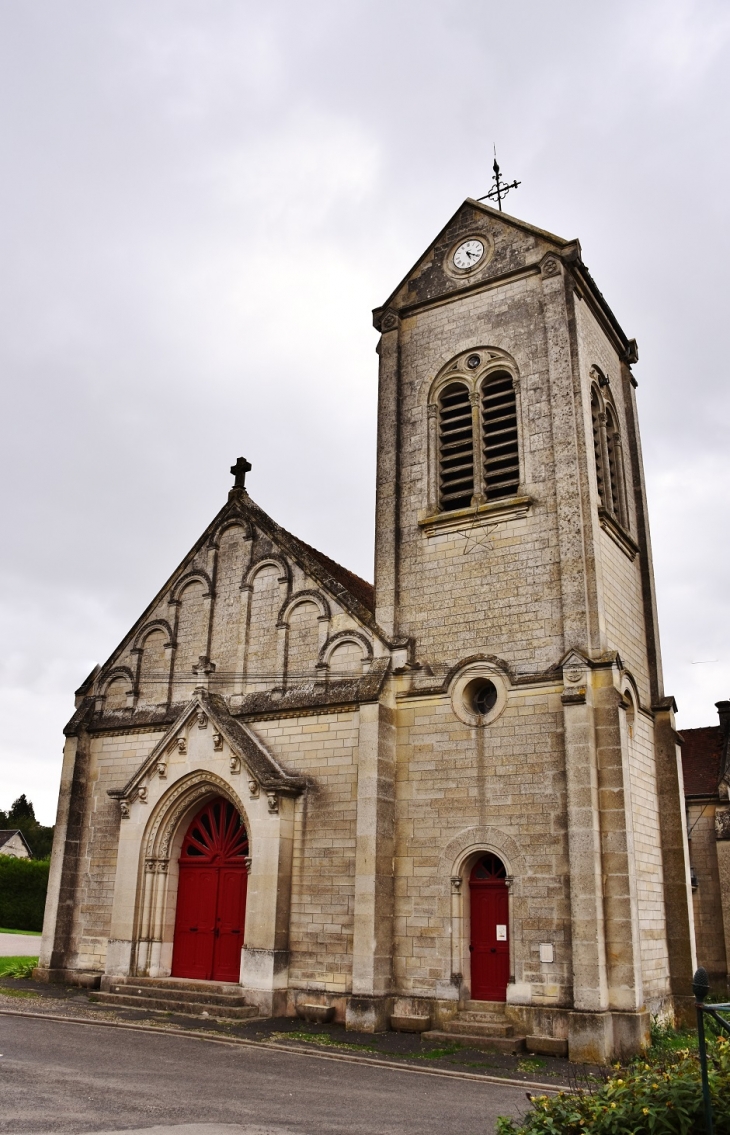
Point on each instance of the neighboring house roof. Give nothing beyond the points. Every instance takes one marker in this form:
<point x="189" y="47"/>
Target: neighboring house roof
<point x="7" y="834"/>
<point x="702" y="760"/>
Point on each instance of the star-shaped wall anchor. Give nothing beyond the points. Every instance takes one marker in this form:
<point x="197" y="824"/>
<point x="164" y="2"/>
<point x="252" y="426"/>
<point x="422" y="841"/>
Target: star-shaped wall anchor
<point x="478" y="535"/>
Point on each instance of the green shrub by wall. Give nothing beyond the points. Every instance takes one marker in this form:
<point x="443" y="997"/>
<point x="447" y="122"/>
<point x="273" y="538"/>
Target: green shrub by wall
<point x="23" y="886"/>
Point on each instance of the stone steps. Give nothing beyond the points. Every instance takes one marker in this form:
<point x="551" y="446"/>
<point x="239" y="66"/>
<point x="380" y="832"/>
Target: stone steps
<point x="488" y="1043"/>
<point x="217" y="999"/>
<point x="480" y="1024"/>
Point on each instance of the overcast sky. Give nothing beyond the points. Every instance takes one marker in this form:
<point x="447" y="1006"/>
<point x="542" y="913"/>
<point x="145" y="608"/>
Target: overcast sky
<point x="202" y="201"/>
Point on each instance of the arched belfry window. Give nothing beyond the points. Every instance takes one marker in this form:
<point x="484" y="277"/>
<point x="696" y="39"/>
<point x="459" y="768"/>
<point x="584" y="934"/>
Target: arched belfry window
<point x="456" y="448"/>
<point x="609" y="459"/>
<point x="598" y="446"/>
<point x="500" y="456"/>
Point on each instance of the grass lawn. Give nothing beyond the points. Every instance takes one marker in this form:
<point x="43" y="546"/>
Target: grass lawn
<point x="11" y="963"/>
<point x="35" y="933"/>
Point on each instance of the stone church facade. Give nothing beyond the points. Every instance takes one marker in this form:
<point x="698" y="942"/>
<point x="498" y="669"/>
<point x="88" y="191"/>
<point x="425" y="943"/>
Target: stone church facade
<point x="459" y="790"/>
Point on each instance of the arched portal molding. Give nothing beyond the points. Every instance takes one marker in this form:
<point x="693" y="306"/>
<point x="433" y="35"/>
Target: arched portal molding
<point x="194" y="788"/>
<point x="460" y="368"/>
<point x="197" y="576"/>
<point x="470" y="843"/>
<point x="115" y="674"/>
<point x="215" y="539"/>
<point x="150" y="628"/>
<point x="268" y="561"/>
<point x="336" y="640"/>
<point x="307" y="595"/>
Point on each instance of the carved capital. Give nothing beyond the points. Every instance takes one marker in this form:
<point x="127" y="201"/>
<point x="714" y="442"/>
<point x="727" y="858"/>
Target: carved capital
<point x="432" y="411"/>
<point x="722" y="823"/>
<point x="247" y="864"/>
<point x="456" y="882"/>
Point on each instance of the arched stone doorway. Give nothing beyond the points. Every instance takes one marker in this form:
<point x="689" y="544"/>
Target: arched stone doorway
<point x="211" y="897"/>
<point x="489" y="920"/>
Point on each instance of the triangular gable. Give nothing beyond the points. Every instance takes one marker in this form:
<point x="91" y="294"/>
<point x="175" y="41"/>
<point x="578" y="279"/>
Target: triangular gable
<point x="353" y="594"/>
<point x="244" y="743"/>
<point x="471" y="213"/>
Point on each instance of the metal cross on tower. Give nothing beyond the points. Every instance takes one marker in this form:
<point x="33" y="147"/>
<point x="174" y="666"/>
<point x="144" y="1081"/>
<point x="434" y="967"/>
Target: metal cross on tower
<point x="239" y="470"/>
<point x="499" y="190"/>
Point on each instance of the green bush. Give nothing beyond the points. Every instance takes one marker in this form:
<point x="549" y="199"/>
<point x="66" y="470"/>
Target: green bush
<point x="664" y="1098"/>
<point x="23" y="886"/>
<point x="17" y="967"/>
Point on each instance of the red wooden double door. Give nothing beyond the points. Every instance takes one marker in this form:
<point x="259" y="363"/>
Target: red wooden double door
<point x="211" y="896"/>
<point x="489" y="946"/>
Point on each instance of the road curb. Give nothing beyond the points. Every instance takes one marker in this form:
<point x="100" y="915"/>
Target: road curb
<point x="243" y="1042"/>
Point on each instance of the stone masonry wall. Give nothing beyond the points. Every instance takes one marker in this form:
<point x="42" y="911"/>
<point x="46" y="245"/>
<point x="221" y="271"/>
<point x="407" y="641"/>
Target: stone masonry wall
<point x="455" y="598"/>
<point x="648" y="853"/>
<point x="508" y="778"/>
<point x="114" y="756"/>
<point x="323" y="883"/>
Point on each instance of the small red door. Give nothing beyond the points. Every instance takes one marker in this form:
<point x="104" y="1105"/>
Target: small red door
<point x="489" y="930"/>
<point x="211" y="897"/>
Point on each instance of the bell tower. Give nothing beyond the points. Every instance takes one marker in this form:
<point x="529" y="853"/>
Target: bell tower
<point x="512" y="534"/>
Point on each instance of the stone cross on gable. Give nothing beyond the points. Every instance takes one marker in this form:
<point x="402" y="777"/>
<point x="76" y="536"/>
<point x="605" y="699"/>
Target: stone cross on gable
<point x="239" y="470"/>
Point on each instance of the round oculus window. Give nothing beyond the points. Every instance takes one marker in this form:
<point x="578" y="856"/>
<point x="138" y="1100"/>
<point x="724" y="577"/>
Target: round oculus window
<point x="483" y="696"/>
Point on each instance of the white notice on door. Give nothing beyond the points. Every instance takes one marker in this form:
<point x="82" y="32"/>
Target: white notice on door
<point x="501" y="933"/>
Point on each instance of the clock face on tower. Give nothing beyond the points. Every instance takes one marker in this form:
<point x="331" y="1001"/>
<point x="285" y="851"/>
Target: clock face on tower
<point x="468" y="254"/>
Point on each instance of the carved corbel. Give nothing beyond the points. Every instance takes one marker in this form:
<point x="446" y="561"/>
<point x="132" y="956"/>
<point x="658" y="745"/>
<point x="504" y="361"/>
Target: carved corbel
<point x="272" y="800"/>
<point x="182" y="745"/>
<point x="253" y="787"/>
<point x="234" y="764"/>
<point x="202" y="719"/>
<point x="124" y="807"/>
<point x="217" y="742"/>
<point x="142" y="794"/>
<point x="162" y="769"/>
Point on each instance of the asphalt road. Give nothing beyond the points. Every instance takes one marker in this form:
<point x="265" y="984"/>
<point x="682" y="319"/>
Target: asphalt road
<point x="63" y="1077"/>
<point x="19" y="945"/>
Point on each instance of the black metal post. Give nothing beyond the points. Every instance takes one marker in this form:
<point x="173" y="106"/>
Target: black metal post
<point x="700" y="988"/>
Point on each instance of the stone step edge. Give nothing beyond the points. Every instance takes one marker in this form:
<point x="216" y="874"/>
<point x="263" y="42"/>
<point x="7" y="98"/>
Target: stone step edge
<point x="190" y="983"/>
<point x="191" y="996"/>
<point x="494" y="1043"/>
<point x="458" y="1028"/>
<point x="168" y="1005"/>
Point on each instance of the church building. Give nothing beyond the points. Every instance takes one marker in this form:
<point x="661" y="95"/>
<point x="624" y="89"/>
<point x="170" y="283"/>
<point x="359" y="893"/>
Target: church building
<point x="450" y="802"/>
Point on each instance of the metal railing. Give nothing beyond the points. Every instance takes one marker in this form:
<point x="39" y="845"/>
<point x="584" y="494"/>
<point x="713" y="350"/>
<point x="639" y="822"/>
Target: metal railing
<point x="700" y="988"/>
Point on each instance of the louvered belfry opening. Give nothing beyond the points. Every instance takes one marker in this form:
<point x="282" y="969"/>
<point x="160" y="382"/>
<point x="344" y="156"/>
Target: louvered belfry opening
<point x="613" y="495"/>
<point x="596" y="423"/>
<point x="456" y="448"/>
<point x="499" y="436"/>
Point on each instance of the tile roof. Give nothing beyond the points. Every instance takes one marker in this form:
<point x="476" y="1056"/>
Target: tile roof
<point x="702" y="760"/>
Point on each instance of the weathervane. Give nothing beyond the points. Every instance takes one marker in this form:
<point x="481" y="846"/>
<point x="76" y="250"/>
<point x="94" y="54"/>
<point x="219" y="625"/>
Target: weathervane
<point x="499" y="189"/>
